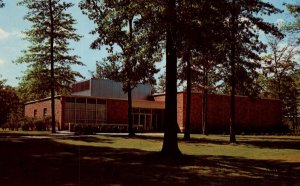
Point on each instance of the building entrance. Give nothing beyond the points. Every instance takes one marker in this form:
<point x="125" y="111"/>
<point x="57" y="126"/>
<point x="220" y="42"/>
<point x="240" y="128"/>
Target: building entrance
<point x="149" y="119"/>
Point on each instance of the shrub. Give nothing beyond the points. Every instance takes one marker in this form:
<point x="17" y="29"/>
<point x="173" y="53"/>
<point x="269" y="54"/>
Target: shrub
<point x="84" y="129"/>
<point x="26" y="123"/>
<point x="78" y="129"/>
<point x="47" y="122"/>
<point x="39" y="124"/>
<point x="25" y="127"/>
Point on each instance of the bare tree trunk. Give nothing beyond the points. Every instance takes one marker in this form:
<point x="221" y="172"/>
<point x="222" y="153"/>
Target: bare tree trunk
<point x="204" y="103"/>
<point x="233" y="79"/>
<point x="52" y="66"/>
<point x="187" y="135"/>
<point x="170" y="144"/>
<point x="129" y="89"/>
<point x="130" y="124"/>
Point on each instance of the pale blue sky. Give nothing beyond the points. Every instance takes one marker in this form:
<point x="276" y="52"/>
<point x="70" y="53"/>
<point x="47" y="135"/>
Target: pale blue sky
<point x="11" y="42"/>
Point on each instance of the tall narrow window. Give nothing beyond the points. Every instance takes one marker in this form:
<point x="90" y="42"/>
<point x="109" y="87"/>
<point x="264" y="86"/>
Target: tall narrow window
<point x="45" y="112"/>
<point x="34" y="113"/>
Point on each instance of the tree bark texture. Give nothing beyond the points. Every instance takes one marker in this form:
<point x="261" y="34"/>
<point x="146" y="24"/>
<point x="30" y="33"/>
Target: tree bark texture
<point x="187" y="135"/>
<point x="52" y="66"/>
<point x="130" y="124"/>
<point x="233" y="78"/>
<point x="129" y="89"/>
<point x="170" y="145"/>
<point x="204" y="103"/>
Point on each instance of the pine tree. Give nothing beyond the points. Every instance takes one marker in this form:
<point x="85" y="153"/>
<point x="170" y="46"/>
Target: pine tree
<point x="2" y="4"/>
<point x="49" y="69"/>
<point x="244" y="43"/>
<point x="293" y="27"/>
<point x="200" y="21"/>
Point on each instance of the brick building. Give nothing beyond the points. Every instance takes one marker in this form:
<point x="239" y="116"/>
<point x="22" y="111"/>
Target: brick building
<point x="252" y="115"/>
<point x="103" y="103"/>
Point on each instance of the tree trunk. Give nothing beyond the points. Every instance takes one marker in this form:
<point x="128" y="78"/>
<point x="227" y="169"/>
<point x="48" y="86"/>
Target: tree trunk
<point x="129" y="89"/>
<point x="232" y="115"/>
<point x="52" y="67"/>
<point x="204" y="103"/>
<point x="188" y="99"/>
<point x="295" y="119"/>
<point x="130" y="124"/>
<point x="170" y="145"/>
<point x="233" y="79"/>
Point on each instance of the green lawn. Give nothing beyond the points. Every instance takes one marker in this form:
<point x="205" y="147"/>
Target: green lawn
<point x="28" y="158"/>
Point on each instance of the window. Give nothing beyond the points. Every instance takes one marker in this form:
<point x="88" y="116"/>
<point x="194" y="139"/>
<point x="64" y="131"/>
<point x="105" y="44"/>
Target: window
<point x="34" y="113"/>
<point x="136" y="119"/>
<point x="101" y="101"/>
<point x="45" y="112"/>
<point x="81" y="100"/>
<point x="91" y="101"/>
<point x="70" y="100"/>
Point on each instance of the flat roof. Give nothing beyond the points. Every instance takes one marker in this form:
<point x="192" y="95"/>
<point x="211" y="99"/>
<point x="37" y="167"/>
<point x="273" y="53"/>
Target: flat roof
<point x="41" y="100"/>
<point x="181" y="92"/>
<point x="135" y="103"/>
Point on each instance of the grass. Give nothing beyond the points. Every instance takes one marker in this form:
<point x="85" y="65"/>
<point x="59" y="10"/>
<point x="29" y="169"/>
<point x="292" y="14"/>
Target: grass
<point x="45" y="159"/>
<point x="25" y="133"/>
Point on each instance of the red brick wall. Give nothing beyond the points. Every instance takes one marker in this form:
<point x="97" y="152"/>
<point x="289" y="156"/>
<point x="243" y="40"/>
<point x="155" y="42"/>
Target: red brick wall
<point x="196" y="112"/>
<point x="160" y="98"/>
<point x="218" y="112"/>
<point x="40" y="105"/>
<point x="263" y="114"/>
<point x="117" y="111"/>
<point x="181" y="106"/>
<point x="259" y="114"/>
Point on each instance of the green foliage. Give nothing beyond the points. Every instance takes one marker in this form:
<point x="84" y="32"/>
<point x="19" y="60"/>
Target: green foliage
<point x="2" y="82"/>
<point x="281" y="73"/>
<point x="101" y="71"/>
<point x="27" y="124"/>
<point x="198" y="27"/>
<point x="132" y="56"/>
<point x="38" y="124"/>
<point x="293" y="27"/>
<point x="161" y="85"/>
<point x="213" y="24"/>
<point x="2" y="4"/>
<point x="248" y="45"/>
<point x="36" y="82"/>
<point x="9" y="102"/>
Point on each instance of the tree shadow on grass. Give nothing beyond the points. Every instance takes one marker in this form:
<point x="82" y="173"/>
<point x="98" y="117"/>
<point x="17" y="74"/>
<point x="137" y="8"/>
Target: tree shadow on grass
<point x="257" y="141"/>
<point x="208" y="141"/>
<point x="89" y="139"/>
<point x="271" y="142"/>
<point x="46" y="162"/>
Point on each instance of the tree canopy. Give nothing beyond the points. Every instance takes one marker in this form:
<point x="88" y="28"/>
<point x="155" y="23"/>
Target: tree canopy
<point x="37" y="77"/>
<point x="131" y="56"/>
<point x="1" y="4"/>
<point x="8" y="100"/>
<point x="280" y="70"/>
<point x="293" y="27"/>
<point x="48" y="57"/>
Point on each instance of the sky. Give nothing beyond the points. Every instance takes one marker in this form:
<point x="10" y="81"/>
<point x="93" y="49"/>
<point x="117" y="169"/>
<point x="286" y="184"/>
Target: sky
<point x="12" y="43"/>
